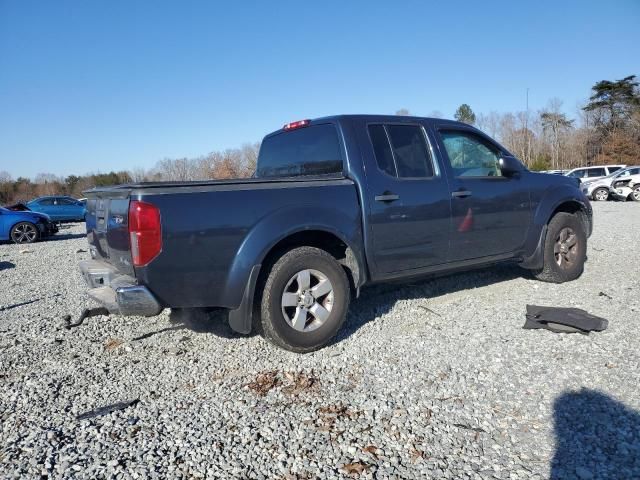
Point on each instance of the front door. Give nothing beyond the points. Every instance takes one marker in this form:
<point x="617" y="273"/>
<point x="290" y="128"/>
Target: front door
<point x="409" y="204"/>
<point x="490" y="212"/>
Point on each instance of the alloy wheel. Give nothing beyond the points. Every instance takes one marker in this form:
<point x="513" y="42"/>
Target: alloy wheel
<point x="24" y="233"/>
<point x="601" y="195"/>
<point x="565" y="249"/>
<point x="307" y="300"/>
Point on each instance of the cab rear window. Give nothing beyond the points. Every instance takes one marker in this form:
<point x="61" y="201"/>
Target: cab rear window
<point x="312" y="150"/>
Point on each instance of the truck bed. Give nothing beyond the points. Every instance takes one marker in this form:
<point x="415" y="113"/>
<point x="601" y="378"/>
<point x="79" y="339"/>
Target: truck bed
<point x="210" y="230"/>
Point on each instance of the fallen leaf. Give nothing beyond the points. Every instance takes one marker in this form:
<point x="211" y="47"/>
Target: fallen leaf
<point x="299" y="383"/>
<point x="112" y="344"/>
<point x="415" y="454"/>
<point x="372" y="450"/>
<point x="355" y="468"/>
<point x="264" y="382"/>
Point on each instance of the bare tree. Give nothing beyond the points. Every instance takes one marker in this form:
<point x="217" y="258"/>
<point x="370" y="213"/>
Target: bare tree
<point x="555" y="126"/>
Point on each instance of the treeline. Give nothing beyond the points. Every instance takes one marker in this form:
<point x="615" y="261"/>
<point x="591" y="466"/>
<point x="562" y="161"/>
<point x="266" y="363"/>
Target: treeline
<point x="230" y="163"/>
<point x="606" y="130"/>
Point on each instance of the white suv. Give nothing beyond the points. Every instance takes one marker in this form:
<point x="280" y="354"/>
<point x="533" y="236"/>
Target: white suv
<point x="593" y="173"/>
<point x="600" y="189"/>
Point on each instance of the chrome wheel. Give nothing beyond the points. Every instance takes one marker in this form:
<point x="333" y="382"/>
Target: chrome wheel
<point x="601" y="194"/>
<point x="307" y="300"/>
<point x="24" y="233"/>
<point x="636" y="194"/>
<point x="565" y="249"/>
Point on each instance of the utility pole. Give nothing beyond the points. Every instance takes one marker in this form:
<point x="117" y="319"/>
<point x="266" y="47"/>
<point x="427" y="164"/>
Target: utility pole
<point x="526" y="131"/>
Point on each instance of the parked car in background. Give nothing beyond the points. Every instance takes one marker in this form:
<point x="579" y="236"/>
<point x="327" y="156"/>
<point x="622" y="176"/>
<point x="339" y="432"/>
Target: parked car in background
<point x="59" y="208"/>
<point x="594" y="172"/>
<point x="24" y="226"/>
<point x="626" y="188"/>
<point x="336" y="203"/>
<point x="555" y="172"/>
<point x="600" y="189"/>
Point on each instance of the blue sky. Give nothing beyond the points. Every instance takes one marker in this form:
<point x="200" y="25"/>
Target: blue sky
<point x="89" y="86"/>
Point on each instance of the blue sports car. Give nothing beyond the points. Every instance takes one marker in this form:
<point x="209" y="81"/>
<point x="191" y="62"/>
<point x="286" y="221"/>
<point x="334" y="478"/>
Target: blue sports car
<point x="59" y="208"/>
<point x="25" y="226"/>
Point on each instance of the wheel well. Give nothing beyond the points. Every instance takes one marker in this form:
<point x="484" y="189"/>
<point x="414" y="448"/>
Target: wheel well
<point x="573" y="208"/>
<point x="323" y="240"/>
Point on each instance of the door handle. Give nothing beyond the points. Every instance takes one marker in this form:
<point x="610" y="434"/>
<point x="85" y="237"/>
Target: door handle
<point x="387" y="197"/>
<point x="461" y="194"/>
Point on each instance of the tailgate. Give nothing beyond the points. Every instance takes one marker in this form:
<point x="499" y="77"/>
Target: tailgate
<point x="107" y="227"/>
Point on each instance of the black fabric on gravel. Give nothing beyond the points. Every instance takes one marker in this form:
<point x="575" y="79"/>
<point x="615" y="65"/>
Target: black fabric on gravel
<point x="563" y="320"/>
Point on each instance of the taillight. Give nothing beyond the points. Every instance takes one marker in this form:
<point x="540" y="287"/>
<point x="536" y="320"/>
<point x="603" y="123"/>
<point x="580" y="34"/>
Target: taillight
<point x="145" y="232"/>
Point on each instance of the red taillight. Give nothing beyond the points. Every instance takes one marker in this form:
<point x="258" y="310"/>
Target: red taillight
<point x="298" y="124"/>
<point x="145" y="232"/>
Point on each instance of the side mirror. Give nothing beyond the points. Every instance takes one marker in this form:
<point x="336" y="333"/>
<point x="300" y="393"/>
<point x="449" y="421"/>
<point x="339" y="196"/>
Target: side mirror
<point x="509" y="166"/>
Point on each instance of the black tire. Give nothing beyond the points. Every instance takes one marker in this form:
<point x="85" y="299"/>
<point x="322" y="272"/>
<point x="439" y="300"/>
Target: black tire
<point x="563" y="263"/>
<point x="635" y="194"/>
<point x="600" y="194"/>
<point x="24" y="232"/>
<point x="275" y="323"/>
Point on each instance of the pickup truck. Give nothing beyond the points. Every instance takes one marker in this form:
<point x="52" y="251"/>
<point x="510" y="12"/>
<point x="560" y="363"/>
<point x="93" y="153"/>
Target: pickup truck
<point x="335" y="204"/>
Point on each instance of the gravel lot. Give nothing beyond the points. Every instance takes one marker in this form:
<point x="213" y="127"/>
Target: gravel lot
<point x="436" y="379"/>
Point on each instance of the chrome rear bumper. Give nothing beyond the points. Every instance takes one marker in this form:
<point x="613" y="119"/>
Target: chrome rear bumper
<point x="120" y="294"/>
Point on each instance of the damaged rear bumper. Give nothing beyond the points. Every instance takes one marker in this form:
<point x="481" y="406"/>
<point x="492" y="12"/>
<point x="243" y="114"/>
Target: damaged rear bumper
<point x="120" y="294"/>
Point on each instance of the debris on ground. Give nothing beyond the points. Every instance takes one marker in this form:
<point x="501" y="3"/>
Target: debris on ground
<point x="354" y="469"/>
<point x="299" y="383"/>
<point x="563" y="320"/>
<point x="98" y="412"/>
<point x="264" y="382"/>
<point x="86" y="313"/>
<point x="112" y="344"/>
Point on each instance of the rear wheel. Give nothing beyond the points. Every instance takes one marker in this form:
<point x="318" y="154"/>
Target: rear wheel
<point x="305" y="300"/>
<point x="601" y="194"/>
<point x="565" y="249"/>
<point x="24" y="232"/>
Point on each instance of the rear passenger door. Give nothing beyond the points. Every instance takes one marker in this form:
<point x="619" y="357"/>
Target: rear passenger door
<point x="409" y="207"/>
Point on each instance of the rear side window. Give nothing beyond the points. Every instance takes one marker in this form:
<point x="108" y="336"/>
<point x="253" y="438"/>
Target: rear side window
<point x="313" y="150"/>
<point x="382" y="149"/>
<point x="46" y="201"/>
<point x="596" y="172"/>
<point x="401" y="150"/>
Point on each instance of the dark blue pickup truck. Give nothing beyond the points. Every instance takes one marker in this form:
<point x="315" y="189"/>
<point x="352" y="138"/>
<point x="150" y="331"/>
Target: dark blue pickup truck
<point x="336" y="203"/>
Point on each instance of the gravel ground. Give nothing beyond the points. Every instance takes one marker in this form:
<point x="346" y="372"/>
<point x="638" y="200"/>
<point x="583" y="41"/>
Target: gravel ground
<point x="436" y="379"/>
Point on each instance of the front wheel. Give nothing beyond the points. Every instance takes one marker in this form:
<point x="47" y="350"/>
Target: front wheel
<point x="24" y="232"/>
<point x="565" y="249"/>
<point x="635" y="194"/>
<point x="601" y="194"/>
<point x="305" y="300"/>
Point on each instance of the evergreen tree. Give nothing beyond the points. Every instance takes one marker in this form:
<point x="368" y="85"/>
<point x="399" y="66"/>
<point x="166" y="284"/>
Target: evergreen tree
<point x="465" y="114"/>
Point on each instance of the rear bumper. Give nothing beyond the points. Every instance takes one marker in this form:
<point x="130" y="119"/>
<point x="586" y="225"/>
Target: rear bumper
<point x="120" y="294"/>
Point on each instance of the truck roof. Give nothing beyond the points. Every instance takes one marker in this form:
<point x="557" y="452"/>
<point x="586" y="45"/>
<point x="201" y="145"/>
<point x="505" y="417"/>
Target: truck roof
<point x="376" y="118"/>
